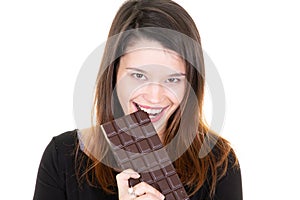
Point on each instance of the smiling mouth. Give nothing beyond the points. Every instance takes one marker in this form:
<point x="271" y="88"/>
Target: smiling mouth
<point x="153" y="112"/>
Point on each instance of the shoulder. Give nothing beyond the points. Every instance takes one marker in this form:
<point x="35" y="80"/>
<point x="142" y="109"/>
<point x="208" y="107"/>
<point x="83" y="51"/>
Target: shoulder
<point x="222" y="150"/>
<point x="65" y="146"/>
<point x="65" y="140"/>
<point x="56" y="160"/>
<point x="60" y="150"/>
<point x="229" y="184"/>
<point x="226" y="161"/>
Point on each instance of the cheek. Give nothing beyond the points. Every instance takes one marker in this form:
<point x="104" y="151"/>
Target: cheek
<point x="123" y="93"/>
<point x="126" y="90"/>
<point x="176" y="94"/>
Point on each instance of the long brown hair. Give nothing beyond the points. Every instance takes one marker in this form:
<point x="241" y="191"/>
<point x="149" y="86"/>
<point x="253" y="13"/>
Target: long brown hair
<point x="157" y="20"/>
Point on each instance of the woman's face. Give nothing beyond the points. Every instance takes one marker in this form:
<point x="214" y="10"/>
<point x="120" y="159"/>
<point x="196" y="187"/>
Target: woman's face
<point x="152" y="79"/>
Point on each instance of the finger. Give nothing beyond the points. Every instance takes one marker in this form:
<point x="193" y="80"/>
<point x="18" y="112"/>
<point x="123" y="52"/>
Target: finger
<point x="123" y="177"/>
<point x="122" y="181"/>
<point x="149" y="196"/>
<point x="143" y="188"/>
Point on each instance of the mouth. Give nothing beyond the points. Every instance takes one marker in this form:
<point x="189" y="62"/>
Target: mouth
<point x="155" y="113"/>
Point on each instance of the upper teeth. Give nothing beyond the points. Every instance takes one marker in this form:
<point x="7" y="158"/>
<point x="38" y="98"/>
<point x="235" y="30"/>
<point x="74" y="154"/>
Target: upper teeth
<point x="152" y="111"/>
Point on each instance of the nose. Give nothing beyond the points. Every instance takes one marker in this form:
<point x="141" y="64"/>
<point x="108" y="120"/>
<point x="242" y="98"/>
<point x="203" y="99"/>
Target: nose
<point x="154" y="93"/>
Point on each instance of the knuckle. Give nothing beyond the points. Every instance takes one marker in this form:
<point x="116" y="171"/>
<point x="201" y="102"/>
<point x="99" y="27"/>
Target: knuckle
<point x="118" y="176"/>
<point x="143" y="184"/>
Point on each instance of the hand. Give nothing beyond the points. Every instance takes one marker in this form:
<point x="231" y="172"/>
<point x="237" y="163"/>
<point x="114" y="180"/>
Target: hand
<point x="142" y="191"/>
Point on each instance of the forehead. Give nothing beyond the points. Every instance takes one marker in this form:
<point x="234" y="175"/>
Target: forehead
<point x="150" y="54"/>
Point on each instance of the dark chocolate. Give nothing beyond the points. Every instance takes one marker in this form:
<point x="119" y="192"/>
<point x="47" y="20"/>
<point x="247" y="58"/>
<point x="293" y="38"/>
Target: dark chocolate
<point x="136" y="145"/>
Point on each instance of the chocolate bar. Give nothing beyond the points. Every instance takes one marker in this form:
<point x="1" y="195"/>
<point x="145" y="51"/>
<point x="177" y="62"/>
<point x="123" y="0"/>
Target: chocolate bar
<point x="136" y="145"/>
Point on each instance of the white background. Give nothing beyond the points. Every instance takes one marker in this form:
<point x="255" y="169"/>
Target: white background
<point x="254" y="44"/>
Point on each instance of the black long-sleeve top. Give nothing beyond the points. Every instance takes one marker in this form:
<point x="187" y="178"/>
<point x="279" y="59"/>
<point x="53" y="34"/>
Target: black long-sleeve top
<point x="56" y="177"/>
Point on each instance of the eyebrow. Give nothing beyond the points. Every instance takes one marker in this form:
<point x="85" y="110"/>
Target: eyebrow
<point x="136" y="69"/>
<point x="142" y="71"/>
<point x="178" y="74"/>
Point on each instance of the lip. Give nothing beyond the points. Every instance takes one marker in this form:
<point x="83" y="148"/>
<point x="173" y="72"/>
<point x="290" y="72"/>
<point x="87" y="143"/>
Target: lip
<point x="152" y="118"/>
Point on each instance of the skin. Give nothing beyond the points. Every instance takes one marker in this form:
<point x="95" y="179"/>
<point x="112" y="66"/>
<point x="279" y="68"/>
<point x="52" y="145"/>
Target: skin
<point x="153" y="78"/>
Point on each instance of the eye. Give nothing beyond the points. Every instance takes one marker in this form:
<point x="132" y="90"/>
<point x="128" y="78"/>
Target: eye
<point x="138" y="76"/>
<point x="172" y="80"/>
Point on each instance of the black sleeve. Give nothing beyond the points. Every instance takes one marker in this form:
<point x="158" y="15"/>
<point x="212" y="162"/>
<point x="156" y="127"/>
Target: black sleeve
<point x="230" y="186"/>
<point x="49" y="183"/>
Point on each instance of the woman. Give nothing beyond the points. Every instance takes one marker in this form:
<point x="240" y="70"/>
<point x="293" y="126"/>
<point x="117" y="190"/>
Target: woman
<point x="152" y="61"/>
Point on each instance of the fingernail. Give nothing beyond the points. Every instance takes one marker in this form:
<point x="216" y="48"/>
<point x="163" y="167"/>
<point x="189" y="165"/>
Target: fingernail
<point x="162" y="197"/>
